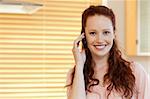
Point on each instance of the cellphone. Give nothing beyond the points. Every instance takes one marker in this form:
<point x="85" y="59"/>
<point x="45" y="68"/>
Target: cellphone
<point x="84" y="42"/>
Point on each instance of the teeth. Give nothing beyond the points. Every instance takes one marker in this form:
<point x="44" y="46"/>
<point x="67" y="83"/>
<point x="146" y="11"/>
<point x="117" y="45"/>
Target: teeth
<point x="99" y="46"/>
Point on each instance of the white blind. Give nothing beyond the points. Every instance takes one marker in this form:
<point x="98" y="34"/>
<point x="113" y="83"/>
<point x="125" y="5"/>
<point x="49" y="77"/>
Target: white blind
<point x="35" y="50"/>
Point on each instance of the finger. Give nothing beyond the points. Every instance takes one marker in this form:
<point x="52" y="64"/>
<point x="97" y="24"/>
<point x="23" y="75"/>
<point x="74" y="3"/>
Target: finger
<point x="80" y="38"/>
<point x="77" y="41"/>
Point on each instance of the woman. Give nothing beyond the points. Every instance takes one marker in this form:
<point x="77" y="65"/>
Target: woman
<point x="100" y="71"/>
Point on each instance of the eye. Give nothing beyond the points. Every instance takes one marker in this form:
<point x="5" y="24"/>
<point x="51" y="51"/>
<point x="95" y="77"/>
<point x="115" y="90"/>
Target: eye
<point x="106" y="32"/>
<point x="92" y="33"/>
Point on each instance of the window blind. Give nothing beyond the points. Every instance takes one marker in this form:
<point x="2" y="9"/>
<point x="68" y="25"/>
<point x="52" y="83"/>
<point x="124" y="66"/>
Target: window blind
<point x="35" y="50"/>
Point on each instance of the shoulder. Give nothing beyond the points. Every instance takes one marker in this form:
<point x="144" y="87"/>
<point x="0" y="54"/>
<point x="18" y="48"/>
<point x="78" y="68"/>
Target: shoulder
<point x="137" y="68"/>
<point x="141" y="76"/>
<point x="142" y="81"/>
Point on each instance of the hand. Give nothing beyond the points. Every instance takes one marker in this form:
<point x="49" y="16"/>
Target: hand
<point x="79" y="56"/>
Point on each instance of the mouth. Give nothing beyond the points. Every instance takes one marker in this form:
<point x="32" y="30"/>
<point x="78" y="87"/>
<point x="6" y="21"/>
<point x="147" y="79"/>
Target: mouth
<point x="100" y="47"/>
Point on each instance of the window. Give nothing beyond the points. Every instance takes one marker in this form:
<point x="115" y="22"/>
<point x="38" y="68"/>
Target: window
<point x="144" y="27"/>
<point x="35" y="50"/>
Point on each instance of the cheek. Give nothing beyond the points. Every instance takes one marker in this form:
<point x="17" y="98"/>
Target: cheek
<point x="89" y="39"/>
<point x="109" y="41"/>
<point x="111" y="38"/>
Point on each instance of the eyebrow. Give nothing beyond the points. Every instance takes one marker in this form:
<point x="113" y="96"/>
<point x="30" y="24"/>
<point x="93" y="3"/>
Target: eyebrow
<point x="107" y="29"/>
<point x="96" y="30"/>
<point x="92" y="29"/>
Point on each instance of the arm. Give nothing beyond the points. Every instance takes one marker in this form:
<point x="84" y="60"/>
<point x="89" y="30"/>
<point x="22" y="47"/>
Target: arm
<point x="77" y="90"/>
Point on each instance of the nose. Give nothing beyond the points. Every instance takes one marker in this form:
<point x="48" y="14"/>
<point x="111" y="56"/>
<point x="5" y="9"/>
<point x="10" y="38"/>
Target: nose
<point x="99" y="37"/>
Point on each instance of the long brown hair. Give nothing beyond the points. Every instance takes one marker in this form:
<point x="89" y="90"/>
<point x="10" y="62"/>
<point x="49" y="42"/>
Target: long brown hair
<point x="119" y="75"/>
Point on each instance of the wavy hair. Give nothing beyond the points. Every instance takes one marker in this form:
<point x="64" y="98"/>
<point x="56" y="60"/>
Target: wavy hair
<point x="119" y="75"/>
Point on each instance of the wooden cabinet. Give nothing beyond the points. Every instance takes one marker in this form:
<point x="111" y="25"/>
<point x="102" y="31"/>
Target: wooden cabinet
<point x="130" y="27"/>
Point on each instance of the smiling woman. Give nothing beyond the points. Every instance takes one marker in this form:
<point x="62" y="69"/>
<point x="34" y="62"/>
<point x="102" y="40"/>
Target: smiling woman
<point x="100" y="71"/>
<point x="99" y="35"/>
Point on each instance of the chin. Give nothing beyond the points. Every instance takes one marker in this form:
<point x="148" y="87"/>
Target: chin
<point x="101" y="54"/>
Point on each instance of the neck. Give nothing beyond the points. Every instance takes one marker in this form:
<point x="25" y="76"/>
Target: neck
<point x="100" y="61"/>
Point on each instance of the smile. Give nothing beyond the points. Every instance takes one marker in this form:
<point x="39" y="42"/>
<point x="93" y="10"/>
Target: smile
<point x="100" y="47"/>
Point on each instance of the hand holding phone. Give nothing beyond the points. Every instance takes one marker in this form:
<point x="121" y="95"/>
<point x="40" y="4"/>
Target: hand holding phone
<point x="79" y="55"/>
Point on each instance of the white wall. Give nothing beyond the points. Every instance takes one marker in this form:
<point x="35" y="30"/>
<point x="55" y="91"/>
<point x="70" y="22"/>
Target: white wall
<point x="118" y="8"/>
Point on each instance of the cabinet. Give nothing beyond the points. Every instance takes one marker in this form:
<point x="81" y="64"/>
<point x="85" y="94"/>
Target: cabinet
<point x="137" y="27"/>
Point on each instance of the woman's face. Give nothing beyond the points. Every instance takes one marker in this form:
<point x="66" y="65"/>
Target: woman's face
<point x="99" y="35"/>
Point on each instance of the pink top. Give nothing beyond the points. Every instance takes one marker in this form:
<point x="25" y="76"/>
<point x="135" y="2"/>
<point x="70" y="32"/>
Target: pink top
<point x="99" y="92"/>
